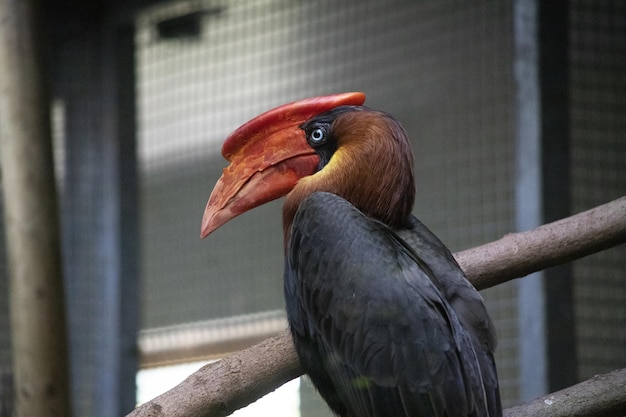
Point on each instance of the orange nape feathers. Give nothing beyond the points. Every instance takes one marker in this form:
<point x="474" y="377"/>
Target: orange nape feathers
<point x="372" y="168"/>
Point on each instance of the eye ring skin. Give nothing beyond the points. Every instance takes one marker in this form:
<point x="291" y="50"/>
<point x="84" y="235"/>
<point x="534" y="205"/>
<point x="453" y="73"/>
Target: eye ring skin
<point x="317" y="135"/>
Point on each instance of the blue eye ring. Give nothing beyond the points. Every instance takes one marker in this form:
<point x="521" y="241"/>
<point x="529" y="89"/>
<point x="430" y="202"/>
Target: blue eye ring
<point x="317" y="135"/>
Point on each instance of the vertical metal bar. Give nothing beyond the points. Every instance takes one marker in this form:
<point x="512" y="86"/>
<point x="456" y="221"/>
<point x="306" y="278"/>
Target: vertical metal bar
<point x="94" y="64"/>
<point x="547" y="345"/>
<point x="121" y="292"/>
<point x="555" y="134"/>
<point x="528" y="191"/>
<point x="129" y="218"/>
<point x="77" y="87"/>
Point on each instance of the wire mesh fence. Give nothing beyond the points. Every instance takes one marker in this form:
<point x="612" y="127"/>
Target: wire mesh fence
<point x="443" y="69"/>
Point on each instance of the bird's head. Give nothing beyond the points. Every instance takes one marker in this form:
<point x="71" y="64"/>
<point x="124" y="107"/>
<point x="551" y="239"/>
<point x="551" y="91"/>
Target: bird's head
<point x="330" y="143"/>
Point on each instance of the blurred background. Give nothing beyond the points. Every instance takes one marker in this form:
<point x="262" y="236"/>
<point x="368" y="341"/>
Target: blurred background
<point x="492" y="93"/>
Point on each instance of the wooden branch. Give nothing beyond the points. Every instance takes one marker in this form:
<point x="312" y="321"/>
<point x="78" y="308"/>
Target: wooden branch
<point x="519" y="254"/>
<point x="38" y="330"/>
<point x="219" y="389"/>
<point x="600" y="396"/>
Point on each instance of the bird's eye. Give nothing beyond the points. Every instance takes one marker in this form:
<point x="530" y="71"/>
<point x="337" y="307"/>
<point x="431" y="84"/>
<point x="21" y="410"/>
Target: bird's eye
<point x="317" y="135"/>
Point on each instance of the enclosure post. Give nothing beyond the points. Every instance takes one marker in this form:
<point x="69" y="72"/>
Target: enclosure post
<point x="533" y="362"/>
<point x="546" y="313"/>
<point x="38" y="329"/>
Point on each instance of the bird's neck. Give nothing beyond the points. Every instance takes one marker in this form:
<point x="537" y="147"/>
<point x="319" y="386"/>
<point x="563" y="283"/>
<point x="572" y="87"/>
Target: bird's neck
<point x="372" y="169"/>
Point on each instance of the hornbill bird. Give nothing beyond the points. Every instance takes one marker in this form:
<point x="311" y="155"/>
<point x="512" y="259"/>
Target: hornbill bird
<point x="383" y="319"/>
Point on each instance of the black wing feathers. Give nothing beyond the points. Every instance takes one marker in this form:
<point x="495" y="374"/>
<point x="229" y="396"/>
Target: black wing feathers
<point x="370" y="325"/>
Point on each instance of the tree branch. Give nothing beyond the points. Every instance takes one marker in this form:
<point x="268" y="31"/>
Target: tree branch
<point x="600" y="396"/>
<point x="222" y="387"/>
<point x="519" y="254"/>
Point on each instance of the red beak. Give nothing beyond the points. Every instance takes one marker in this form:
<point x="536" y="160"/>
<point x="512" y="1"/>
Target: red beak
<point x="267" y="155"/>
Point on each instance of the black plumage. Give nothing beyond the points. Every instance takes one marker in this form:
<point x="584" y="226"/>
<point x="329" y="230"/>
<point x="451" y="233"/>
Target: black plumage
<point x="372" y="329"/>
<point x="383" y="319"/>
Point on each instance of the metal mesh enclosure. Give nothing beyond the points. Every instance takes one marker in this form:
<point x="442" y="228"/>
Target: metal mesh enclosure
<point x="203" y="67"/>
<point x="206" y="67"/>
<point x="598" y="152"/>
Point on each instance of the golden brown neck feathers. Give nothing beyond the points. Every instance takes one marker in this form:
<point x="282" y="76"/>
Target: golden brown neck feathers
<point x="372" y="168"/>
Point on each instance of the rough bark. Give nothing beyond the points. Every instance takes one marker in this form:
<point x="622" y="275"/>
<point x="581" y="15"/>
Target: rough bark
<point x="600" y="396"/>
<point x="519" y="254"/>
<point x="221" y="388"/>
<point x="38" y="330"/>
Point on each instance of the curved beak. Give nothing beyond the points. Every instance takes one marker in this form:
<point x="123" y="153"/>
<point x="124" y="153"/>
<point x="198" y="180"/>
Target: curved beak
<point x="267" y="155"/>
